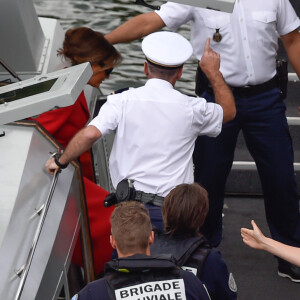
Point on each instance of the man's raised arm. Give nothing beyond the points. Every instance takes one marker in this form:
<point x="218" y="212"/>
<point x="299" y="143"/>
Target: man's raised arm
<point x="136" y="28"/>
<point x="210" y="64"/>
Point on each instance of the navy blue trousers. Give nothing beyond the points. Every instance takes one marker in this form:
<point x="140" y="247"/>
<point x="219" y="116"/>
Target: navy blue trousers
<point x="264" y="125"/>
<point x="155" y="213"/>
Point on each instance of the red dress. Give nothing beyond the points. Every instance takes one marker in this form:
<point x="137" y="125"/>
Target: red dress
<point x="63" y="123"/>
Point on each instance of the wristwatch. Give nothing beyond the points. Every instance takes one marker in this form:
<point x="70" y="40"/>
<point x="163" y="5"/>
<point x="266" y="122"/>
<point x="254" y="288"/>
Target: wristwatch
<point x="56" y="159"/>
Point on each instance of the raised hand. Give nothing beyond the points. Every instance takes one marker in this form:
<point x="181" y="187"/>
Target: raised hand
<point x="210" y="61"/>
<point x="253" y="238"/>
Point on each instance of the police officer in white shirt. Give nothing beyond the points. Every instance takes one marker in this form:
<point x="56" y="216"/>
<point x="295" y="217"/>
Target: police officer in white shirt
<point x="247" y="41"/>
<point x="156" y="126"/>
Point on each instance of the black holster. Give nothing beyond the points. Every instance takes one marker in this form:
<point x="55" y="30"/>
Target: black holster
<point x="202" y="82"/>
<point x="125" y="192"/>
<point x="282" y="73"/>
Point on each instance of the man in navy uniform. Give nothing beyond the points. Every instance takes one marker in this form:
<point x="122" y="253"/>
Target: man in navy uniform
<point x="136" y="274"/>
<point x="247" y="41"/>
<point x="184" y="212"/>
<point x="156" y="126"/>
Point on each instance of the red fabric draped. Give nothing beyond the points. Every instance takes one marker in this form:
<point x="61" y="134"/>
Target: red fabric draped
<point x="99" y="219"/>
<point x="63" y="123"/>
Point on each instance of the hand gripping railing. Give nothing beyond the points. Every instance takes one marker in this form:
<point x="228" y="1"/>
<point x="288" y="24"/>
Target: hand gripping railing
<point x="24" y="272"/>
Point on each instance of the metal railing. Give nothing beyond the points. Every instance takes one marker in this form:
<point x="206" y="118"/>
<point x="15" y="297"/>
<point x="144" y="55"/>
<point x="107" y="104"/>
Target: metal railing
<point x="23" y="271"/>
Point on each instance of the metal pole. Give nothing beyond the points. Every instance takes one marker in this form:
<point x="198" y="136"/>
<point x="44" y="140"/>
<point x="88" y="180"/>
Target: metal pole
<point x="36" y="236"/>
<point x="9" y="70"/>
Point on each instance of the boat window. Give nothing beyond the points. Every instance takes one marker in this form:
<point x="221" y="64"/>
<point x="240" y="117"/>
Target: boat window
<point x="27" y="91"/>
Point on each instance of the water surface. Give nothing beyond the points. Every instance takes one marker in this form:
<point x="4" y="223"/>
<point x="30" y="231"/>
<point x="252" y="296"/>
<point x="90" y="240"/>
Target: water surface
<point x="104" y="16"/>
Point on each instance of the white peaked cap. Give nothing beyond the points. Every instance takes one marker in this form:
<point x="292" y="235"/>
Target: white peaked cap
<point x="167" y="49"/>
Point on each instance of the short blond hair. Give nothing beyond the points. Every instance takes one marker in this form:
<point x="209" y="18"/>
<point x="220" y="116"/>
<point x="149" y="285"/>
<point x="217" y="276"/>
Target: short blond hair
<point x="131" y="227"/>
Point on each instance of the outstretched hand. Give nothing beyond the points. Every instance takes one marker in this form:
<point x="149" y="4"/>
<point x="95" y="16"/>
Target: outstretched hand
<point x="210" y="61"/>
<point x="253" y="238"/>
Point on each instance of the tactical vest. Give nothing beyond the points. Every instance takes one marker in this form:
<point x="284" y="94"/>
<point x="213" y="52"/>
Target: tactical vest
<point x="144" y="277"/>
<point x="189" y="252"/>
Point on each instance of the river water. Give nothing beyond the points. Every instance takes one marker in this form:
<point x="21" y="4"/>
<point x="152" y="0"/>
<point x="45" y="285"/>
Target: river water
<point x="104" y="16"/>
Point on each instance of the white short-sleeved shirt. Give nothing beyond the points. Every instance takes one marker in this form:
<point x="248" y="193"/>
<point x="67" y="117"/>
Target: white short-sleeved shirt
<point x="156" y="127"/>
<point x="249" y="35"/>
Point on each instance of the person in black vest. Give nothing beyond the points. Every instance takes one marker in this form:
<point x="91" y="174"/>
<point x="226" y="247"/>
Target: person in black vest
<point x="184" y="212"/>
<point x="136" y="274"/>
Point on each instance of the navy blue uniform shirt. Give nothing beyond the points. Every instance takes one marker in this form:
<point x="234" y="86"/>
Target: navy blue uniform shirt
<point x="219" y="282"/>
<point x="97" y="290"/>
<point x="194" y="254"/>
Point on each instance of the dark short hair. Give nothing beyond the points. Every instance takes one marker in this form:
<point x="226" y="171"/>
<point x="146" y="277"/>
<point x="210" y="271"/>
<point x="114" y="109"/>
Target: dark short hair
<point x="185" y="209"/>
<point x="83" y="44"/>
<point x="131" y="227"/>
<point x="162" y="72"/>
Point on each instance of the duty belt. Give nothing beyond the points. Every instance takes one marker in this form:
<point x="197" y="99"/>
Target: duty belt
<point x="252" y="90"/>
<point x="148" y="198"/>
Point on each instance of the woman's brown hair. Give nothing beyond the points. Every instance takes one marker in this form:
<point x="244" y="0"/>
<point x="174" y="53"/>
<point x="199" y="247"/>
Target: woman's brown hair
<point x="185" y="209"/>
<point x="83" y="44"/>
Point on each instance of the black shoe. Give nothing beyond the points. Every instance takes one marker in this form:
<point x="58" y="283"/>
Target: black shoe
<point x="285" y="269"/>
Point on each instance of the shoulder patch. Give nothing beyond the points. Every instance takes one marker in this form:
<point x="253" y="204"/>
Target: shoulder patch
<point x="231" y="283"/>
<point x="75" y="297"/>
<point x="190" y="269"/>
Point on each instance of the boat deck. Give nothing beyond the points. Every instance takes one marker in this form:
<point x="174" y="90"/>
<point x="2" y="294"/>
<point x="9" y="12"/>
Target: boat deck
<point x="255" y="271"/>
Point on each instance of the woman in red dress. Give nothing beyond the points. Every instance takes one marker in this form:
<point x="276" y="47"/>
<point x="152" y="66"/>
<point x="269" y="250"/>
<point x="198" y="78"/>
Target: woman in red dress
<point x="85" y="45"/>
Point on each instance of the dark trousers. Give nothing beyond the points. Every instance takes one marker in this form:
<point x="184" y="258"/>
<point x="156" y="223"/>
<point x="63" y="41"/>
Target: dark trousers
<point x="264" y="125"/>
<point x="155" y="216"/>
